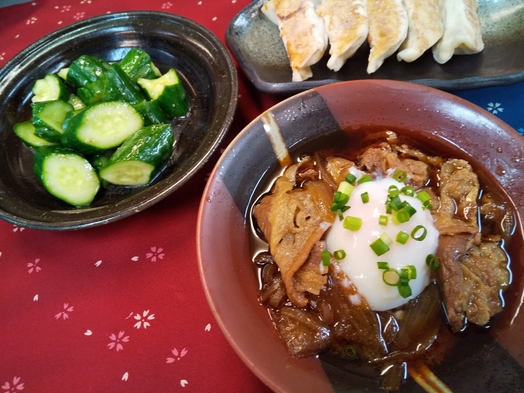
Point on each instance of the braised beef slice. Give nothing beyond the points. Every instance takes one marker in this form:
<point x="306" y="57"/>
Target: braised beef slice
<point x="293" y="220"/>
<point x="383" y="158"/>
<point x="472" y="272"/>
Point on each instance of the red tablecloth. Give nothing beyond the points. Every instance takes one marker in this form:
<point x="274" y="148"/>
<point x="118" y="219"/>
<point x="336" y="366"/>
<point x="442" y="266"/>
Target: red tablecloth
<point x="117" y="308"/>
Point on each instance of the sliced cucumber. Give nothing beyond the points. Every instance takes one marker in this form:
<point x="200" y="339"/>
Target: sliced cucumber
<point x="138" y="64"/>
<point x="26" y="132"/>
<point x="151" y="113"/>
<point x="134" y="163"/>
<point x="50" y="88"/>
<point x="48" y="118"/>
<point x="76" y="102"/>
<point x="85" y="69"/>
<point x="169" y="92"/>
<point x="66" y="175"/>
<point x="101" y="127"/>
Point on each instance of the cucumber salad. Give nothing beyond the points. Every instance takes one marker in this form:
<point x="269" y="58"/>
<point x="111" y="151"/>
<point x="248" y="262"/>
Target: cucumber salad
<point x="96" y="123"/>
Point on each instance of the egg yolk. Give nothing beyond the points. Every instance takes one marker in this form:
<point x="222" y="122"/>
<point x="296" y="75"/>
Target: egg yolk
<point x="380" y="262"/>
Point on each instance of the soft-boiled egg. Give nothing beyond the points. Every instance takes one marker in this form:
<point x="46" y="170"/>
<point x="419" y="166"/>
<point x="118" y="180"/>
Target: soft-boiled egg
<point x="382" y="273"/>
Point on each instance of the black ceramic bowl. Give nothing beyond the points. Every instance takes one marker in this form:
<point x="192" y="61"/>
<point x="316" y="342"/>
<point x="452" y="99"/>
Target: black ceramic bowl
<point x="206" y="70"/>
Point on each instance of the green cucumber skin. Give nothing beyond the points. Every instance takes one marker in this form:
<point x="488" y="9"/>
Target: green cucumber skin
<point x="86" y="69"/>
<point x="48" y="118"/>
<point x="113" y="85"/>
<point x="172" y="99"/>
<point x="152" y="145"/>
<point x="151" y="113"/>
<point x="26" y="131"/>
<point x="70" y="139"/>
<point x="138" y="64"/>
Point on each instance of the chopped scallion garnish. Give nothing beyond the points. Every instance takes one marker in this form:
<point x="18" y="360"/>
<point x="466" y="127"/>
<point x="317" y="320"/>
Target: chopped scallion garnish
<point x="423" y="196"/>
<point x="385" y="238"/>
<point x="379" y="247"/>
<point x="339" y="254"/>
<point x="364" y="179"/>
<point x="404" y="291"/>
<point x="402" y="237"/>
<point x="432" y="261"/>
<point x="365" y="197"/>
<point x="419" y="233"/>
<point x="393" y="191"/>
<point x="345" y="188"/>
<point x="351" y="178"/>
<point x="400" y="175"/>
<point x="326" y="258"/>
<point x="407" y="191"/>
<point x="383" y="265"/>
<point x="352" y="223"/>
<point x="383" y="220"/>
<point x="391" y="277"/>
<point x="412" y="272"/>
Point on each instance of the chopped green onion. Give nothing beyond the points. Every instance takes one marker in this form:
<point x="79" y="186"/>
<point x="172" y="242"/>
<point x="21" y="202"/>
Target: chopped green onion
<point x="364" y="179"/>
<point x="404" y="276"/>
<point x="383" y="220"/>
<point x="350" y="352"/>
<point x="326" y="259"/>
<point x="407" y="191"/>
<point x="432" y="261"/>
<point x="404" y="291"/>
<point x="365" y="197"/>
<point x="393" y="191"/>
<point x="402" y="237"/>
<point x="391" y="277"/>
<point x="410" y="209"/>
<point x="350" y="178"/>
<point x="401" y="216"/>
<point x="379" y="247"/>
<point x="423" y="196"/>
<point x="419" y="233"/>
<point x="412" y="272"/>
<point x="345" y="188"/>
<point x="385" y="238"/>
<point x="352" y="223"/>
<point x="339" y="254"/>
<point x="395" y="203"/>
<point x="428" y="206"/>
<point x="383" y="265"/>
<point x="400" y="176"/>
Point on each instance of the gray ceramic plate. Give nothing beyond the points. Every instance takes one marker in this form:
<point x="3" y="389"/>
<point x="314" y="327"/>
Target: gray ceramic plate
<point x="205" y="67"/>
<point x="255" y="43"/>
<point x="490" y="362"/>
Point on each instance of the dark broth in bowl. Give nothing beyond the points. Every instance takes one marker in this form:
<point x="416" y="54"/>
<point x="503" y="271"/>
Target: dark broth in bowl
<point x="386" y="344"/>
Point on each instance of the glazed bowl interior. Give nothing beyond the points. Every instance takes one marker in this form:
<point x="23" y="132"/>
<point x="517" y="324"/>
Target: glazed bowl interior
<point x="340" y="115"/>
<point x="204" y="66"/>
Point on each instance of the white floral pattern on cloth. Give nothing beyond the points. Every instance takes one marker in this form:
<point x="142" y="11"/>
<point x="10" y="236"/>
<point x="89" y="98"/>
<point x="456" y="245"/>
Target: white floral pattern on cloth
<point x="14" y="386"/>
<point x="143" y="320"/>
<point x="117" y="340"/>
<point x="155" y="254"/>
<point x="33" y="266"/>
<point x="495" y="108"/>
<point x="64" y="314"/>
<point x="176" y="355"/>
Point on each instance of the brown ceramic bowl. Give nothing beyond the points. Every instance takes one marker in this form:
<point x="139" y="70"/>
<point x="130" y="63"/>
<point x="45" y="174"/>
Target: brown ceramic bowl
<point x="439" y="121"/>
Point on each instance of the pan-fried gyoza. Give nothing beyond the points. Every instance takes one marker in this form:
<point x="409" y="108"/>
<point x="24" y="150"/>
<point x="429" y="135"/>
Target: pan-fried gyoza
<point x="409" y="27"/>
